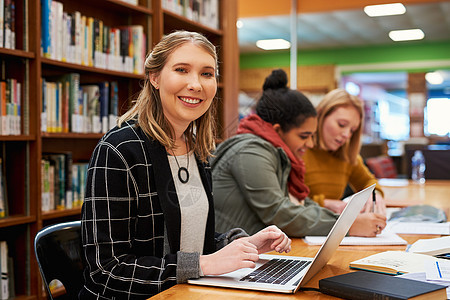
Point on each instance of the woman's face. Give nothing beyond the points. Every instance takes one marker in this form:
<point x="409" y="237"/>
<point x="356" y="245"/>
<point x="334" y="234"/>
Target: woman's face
<point x="339" y="126"/>
<point x="187" y="84"/>
<point x="298" y="139"/>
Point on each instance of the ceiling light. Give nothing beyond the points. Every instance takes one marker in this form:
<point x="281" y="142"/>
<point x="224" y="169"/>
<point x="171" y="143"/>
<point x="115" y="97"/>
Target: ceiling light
<point x="274" y="44"/>
<point x="434" y="78"/>
<point x="239" y="24"/>
<point x="385" y="10"/>
<point x="406" y="35"/>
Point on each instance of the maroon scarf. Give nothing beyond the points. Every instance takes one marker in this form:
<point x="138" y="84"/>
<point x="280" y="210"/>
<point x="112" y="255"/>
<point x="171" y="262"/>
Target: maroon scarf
<point x="257" y="126"/>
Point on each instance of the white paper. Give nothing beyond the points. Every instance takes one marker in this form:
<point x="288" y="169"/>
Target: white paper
<point x="393" y="182"/>
<point x="418" y="227"/>
<point x="438" y="270"/>
<point x="434" y="246"/>
<point x="384" y="238"/>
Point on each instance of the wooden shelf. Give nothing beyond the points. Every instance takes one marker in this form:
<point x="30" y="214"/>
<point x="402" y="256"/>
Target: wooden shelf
<point x="16" y="220"/>
<point x="76" y="67"/>
<point x="17" y="138"/>
<point x="175" y="21"/>
<point x="54" y="214"/>
<point x="71" y="135"/>
<point x="129" y="8"/>
<point x="16" y="53"/>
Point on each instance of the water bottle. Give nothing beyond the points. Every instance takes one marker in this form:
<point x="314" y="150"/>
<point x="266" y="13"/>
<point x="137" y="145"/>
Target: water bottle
<point x="418" y="167"/>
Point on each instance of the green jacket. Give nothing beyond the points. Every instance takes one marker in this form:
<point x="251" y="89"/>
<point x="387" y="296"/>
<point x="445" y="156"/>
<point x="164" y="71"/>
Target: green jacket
<point x="250" y="190"/>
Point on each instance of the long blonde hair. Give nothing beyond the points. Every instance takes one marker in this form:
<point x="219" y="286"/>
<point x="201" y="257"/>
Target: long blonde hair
<point x="333" y="100"/>
<point x="147" y="110"/>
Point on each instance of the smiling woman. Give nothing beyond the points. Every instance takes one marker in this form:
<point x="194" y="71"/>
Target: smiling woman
<point x="148" y="217"/>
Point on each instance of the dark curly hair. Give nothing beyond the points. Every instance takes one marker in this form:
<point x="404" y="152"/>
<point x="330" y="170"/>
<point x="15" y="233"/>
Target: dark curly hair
<point x="281" y="105"/>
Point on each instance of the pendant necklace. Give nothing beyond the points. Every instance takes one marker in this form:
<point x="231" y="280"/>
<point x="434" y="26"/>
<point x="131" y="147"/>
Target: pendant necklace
<point x="183" y="173"/>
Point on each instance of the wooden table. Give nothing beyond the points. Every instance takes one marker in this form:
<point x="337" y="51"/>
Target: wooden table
<point x="433" y="192"/>
<point x="436" y="192"/>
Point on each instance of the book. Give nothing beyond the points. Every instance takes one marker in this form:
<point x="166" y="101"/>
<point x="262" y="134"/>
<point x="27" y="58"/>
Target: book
<point x="104" y="99"/>
<point x="4" y="287"/>
<point x="3" y="203"/>
<point x="394" y="262"/>
<point x="45" y="25"/>
<point x="384" y="238"/>
<point x="434" y="246"/>
<point x="367" y="285"/>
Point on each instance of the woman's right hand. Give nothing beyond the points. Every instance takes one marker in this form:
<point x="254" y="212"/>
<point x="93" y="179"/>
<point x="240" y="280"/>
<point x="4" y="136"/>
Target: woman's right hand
<point x="238" y="254"/>
<point x="368" y="225"/>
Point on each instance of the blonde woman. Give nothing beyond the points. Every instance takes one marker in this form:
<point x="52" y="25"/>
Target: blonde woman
<point x="334" y="161"/>
<point x="148" y="215"/>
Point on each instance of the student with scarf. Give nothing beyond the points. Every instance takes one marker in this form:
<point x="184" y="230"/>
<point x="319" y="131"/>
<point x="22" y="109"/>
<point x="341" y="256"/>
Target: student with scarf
<point x="258" y="174"/>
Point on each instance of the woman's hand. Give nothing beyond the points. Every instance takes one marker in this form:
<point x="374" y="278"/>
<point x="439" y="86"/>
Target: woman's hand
<point x="269" y="239"/>
<point x="336" y="206"/>
<point x="380" y="205"/>
<point x="368" y="225"/>
<point x="238" y="254"/>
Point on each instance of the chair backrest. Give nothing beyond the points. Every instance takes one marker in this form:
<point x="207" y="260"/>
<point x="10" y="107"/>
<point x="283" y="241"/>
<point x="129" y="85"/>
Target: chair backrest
<point x="59" y="254"/>
<point x="382" y="166"/>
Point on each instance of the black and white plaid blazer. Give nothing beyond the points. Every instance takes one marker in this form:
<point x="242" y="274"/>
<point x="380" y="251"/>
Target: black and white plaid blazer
<point x="130" y="204"/>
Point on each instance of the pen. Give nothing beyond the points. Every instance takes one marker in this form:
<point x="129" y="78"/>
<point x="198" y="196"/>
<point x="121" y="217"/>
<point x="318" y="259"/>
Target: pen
<point x="439" y="270"/>
<point x="374" y="201"/>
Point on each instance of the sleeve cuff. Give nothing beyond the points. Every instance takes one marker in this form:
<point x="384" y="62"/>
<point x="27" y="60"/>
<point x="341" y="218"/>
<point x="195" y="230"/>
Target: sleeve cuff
<point x="188" y="266"/>
<point x="229" y="236"/>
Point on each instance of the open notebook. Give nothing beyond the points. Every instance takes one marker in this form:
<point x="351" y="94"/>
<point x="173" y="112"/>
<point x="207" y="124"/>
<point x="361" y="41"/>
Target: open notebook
<point x="286" y="274"/>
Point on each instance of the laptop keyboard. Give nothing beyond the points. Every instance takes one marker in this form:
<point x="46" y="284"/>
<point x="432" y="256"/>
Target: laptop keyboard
<point x="276" y="271"/>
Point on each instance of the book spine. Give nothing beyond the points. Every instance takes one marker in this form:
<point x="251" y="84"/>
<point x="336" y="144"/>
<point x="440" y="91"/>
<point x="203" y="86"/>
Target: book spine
<point x="4" y="293"/>
<point x="104" y="105"/>
<point x="2" y="21"/>
<point x="2" y="198"/>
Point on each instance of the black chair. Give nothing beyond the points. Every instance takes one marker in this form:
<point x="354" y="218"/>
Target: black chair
<point x="59" y="254"/>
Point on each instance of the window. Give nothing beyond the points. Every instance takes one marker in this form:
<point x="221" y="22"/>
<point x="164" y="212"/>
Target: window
<point x="437" y="121"/>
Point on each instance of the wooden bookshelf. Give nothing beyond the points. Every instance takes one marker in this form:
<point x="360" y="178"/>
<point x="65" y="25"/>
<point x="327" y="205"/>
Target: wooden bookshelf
<point x="22" y="153"/>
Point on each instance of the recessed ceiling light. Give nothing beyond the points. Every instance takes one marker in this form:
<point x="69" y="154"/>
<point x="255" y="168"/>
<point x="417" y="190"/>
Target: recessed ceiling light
<point x="406" y="35"/>
<point x="273" y="44"/>
<point x="385" y="10"/>
<point x="434" y="78"/>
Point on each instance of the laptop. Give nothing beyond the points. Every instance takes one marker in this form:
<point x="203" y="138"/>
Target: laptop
<point x="286" y="274"/>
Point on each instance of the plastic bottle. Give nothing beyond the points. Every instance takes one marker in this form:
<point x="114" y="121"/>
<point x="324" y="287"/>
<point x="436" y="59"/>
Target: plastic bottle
<point x="418" y="167"/>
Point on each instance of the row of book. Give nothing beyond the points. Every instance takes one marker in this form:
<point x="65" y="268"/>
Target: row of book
<point x="63" y="181"/>
<point x="7" y="270"/>
<point x="76" y="38"/>
<point x="7" y="24"/>
<point x="68" y="106"/>
<point x="203" y="11"/>
<point x="10" y="106"/>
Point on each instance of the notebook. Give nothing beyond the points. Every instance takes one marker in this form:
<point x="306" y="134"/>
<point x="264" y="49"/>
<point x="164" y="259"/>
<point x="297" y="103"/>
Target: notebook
<point x="299" y="270"/>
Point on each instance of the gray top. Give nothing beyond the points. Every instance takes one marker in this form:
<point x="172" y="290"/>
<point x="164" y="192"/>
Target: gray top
<point x="250" y="190"/>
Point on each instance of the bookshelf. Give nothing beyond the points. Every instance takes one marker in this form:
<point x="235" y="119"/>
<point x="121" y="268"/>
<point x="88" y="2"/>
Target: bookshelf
<point x="21" y="152"/>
